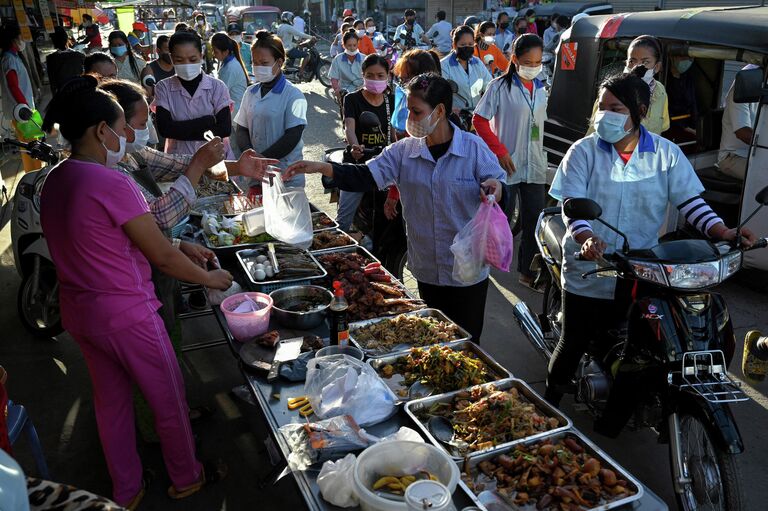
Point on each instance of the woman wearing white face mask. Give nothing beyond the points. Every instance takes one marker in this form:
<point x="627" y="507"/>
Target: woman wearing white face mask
<point x="365" y="44"/>
<point x="273" y="113"/>
<point x="346" y="71"/>
<point x="510" y="118"/>
<point x="443" y="173"/>
<point x="486" y="49"/>
<point x="191" y="103"/>
<point x="644" y="59"/>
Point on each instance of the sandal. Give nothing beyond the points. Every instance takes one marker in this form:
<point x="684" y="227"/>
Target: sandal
<point x="199" y="413"/>
<point x="213" y="472"/>
<point x="146" y="479"/>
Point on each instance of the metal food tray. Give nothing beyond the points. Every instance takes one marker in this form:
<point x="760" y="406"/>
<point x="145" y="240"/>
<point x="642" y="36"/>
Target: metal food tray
<point x="261" y="249"/>
<point x="334" y="225"/>
<point x="606" y="461"/>
<point x="496" y="370"/>
<point x="434" y="313"/>
<point x="413" y="407"/>
<point x="352" y="241"/>
<point x="229" y="249"/>
<point x="215" y="201"/>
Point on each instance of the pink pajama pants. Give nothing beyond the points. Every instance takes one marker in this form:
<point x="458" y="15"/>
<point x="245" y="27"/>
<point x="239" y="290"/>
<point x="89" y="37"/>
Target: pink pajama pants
<point x="140" y="354"/>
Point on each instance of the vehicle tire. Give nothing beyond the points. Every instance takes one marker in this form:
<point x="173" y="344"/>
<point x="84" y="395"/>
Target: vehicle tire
<point x="322" y="73"/>
<point x="715" y="475"/>
<point x="515" y="223"/>
<point x="403" y="274"/>
<point x="551" y="308"/>
<point x="40" y="313"/>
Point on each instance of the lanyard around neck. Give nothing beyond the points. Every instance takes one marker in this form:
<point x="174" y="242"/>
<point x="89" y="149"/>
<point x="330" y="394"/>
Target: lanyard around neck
<point x="523" y="91"/>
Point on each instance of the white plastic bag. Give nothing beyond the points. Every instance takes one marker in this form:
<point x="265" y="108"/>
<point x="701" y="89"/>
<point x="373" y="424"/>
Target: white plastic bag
<point x="342" y="385"/>
<point x="286" y="213"/>
<point x="335" y="481"/>
<point x="216" y="296"/>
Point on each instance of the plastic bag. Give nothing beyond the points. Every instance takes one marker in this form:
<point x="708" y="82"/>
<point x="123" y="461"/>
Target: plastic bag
<point x="216" y="296"/>
<point x="315" y="442"/>
<point x="335" y="482"/>
<point x="485" y="240"/>
<point x="286" y="214"/>
<point x="342" y="385"/>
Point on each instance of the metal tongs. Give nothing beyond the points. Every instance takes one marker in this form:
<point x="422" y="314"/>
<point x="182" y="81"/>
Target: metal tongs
<point x="273" y="257"/>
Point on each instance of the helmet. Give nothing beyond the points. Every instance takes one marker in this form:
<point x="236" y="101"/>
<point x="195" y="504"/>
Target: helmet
<point x="347" y="12"/>
<point x="234" y="28"/>
<point x="471" y="21"/>
<point x="140" y="26"/>
<point x="287" y="17"/>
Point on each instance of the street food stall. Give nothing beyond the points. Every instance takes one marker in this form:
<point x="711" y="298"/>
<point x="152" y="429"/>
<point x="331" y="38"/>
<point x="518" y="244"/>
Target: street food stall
<point x="409" y="393"/>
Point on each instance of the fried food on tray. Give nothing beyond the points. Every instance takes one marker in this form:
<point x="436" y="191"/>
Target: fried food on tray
<point x="406" y="329"/>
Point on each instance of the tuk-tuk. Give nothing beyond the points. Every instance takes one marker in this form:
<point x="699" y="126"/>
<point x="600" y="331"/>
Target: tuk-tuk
<point x="721" y="41"/>
<point x="213" y="15"/>
<point x="571" y="9"/>
<point x="253" y="18"/>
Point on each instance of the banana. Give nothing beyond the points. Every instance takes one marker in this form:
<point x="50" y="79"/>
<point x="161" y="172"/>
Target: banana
<point x="406" y="481"/>
<point x="396" y="486"/>
<point x="384" y="481"/>
<point x="432" y="477"/>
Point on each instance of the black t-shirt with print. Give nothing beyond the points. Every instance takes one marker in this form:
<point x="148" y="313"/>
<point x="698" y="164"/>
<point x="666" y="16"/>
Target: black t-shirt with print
<point x="354" y="105"/>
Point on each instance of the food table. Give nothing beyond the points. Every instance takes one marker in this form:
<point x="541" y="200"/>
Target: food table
<point x="272" y="398"/>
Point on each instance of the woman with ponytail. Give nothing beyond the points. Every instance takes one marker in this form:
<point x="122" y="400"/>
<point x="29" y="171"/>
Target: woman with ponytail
<point x="129" y="65"/>
<point x="102" y="248"/>
<point x="231" y="67"/>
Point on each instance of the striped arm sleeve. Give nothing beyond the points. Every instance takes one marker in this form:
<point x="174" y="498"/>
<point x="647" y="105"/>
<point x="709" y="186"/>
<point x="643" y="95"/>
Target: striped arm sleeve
<point x="575" y="227"/>
<point x="698" y="213"/>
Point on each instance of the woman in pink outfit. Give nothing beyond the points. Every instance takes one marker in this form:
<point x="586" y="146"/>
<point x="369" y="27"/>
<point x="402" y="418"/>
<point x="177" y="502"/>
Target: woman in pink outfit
<point x="102" y="238"/>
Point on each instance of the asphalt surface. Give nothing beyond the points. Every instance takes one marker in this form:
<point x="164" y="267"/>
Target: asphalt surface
<point x="49" y="377"/>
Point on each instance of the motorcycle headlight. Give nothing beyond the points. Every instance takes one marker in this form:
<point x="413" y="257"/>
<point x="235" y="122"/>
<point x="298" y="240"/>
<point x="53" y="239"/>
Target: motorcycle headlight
<point x="731" y="263"/>
<point x="693" y="276"/>
<point x="649" y="271"/>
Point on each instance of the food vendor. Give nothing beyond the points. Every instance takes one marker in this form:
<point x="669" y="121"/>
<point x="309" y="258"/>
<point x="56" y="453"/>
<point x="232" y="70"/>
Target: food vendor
<point x="442" y="173"/>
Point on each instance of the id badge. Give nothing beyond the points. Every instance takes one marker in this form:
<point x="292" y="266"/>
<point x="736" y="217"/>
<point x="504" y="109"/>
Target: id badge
<point x="534" y="132"/>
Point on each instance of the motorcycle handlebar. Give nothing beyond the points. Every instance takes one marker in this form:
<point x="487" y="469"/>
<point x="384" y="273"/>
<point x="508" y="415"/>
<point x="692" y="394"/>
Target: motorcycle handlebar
<point x="760" y="243"/>
<point x="23" y="145"/>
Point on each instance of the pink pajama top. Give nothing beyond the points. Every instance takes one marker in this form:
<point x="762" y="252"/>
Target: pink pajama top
<point x="104" y="278"/>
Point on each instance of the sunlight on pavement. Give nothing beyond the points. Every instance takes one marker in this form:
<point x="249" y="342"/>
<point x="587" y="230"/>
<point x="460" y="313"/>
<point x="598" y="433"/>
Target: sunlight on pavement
<point x="60" y="365"/>
<point x="228" y="406"/>
<point x="506" y="293"/>
<point x="754" y="394"/>
<point x="68" y="427"/>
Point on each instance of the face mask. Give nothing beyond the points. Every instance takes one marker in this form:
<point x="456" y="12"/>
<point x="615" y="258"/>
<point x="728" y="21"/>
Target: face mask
<point x="683" y="65"/>
<point x="503" y="26"/>
<point x="165" y="57"/>
<point x="140" y="140"/>
<point x="489" y="39"/>
<point x="531" y="20"/>
<point x="21" y="45"/>
<point x="237" y="38"/>
<point x="87" y="24"/>
<point x="200" y="23"/>
<point x="522" y="30"/>
<point x="409" y="22"/>
<point x="360" y="33"/>
<point x="375" y="86"/>
<point x="528" y="73"/>
<point x="465" y="52"/>
<point x="647" y="77"/>
<point x="351" y="53"/>
<point x="118" y="51"/>
<point x="371" y="30"/>
<point x="113" y="157"/>
<point x="422" y="128"/>
<point x="188" y="71"/>
<point x="263" y="74"/>
<point x="610" y="125"/>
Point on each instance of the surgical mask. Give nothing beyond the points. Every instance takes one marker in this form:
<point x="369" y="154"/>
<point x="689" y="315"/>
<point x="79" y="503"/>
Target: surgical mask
<point x="647" y="77"/>
<point x="528" y="73"/>
<point x="375" y="86"/>
<point x="21" y="45"/>
<point x="522" y="30"/>
<point x="531" y="20"/>
<point x="188" y="71"/>
<point x="360" y="33"/>
<point x="118" y="51"/>
<point x="113" y="157"/>
<point x="140" y="140"/>
<point x="200" y="23"/>
<point x="465" y="52"/>
<point x="409" y="22"/>
<point x="684" y="65"/>
<point x="489" y="39"/>
<point x="371" y="30"/>
<point x="503" y="26"/>
<point x="610" y="125"/>
<point x="263" y="74"/>
<point x="87" y="23"/>
<point x="422" y="128"/>
<point x="237" y="38"/>
<point x="351" y="53"/>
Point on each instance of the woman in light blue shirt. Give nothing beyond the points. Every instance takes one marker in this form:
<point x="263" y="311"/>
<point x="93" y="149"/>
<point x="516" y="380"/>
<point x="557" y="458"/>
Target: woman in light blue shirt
<point x="443" y="173"/>
<point x="468" y="72"/>
<point x="634" y="175"/>
<point x="231" y="68"/>
<point x="346" y="72"/>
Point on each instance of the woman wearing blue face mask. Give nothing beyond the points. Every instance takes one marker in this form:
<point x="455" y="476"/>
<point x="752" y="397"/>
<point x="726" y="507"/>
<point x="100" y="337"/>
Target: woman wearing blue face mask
<point x="634" y="175"/>
<point x="129" y="65"/>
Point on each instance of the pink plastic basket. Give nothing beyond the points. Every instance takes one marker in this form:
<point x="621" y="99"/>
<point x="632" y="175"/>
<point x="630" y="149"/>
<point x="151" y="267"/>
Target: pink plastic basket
<point x="245" y="326"/>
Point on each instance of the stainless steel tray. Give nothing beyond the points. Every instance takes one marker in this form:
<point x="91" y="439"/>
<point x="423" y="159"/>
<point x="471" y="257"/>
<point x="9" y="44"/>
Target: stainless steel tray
<point x="469" y="466"/>
<point x="261" y="249"/>
<point x="413" y="408"/>
<point x="434" y="313"/>
<point x="496" y="371"/>
<point x="351" y="242"/>
<point x="333" y="225"/>
<point x="217" y="204"/>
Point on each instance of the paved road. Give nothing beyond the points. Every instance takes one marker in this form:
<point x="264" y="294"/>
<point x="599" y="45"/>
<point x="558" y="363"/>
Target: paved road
<point x="50" y="378"/>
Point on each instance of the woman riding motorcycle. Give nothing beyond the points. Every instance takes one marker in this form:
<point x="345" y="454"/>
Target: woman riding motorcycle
<point x="633" y="175"/>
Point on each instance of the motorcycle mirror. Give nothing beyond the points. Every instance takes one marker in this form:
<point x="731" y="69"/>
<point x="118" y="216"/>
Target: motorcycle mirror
<point x="762" y="196"/>
<point x="454" y="86"/>
<point x="369" y="120"/>
<point x="582" y="209"/>
<point x="762" y="200"/>
<point x="24" y="113"/>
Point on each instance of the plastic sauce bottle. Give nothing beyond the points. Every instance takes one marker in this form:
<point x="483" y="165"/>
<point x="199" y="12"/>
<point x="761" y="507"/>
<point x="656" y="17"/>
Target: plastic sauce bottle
<point x="339" y="324"/>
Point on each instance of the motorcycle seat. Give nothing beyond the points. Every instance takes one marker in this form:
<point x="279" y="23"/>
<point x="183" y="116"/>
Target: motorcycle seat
<point x="553" y="231"/>
<point x="715" y="181"/>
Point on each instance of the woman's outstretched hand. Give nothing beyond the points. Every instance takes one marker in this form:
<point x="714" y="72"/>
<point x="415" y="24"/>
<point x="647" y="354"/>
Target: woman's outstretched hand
<point x="308" y="167"/>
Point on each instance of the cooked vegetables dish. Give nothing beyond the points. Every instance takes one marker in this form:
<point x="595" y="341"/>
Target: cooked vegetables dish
<point x="321" y="221"/>
<point x="483" y="417"/>
<point x="550" y="475"/>
<point x="415" y="330"/>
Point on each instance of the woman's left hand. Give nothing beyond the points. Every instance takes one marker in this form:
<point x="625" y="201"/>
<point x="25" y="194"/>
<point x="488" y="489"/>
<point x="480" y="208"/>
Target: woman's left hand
<point x="491" y="187"/>
<point x="747" y="237"/>
<point x="253" y="165"/>
<point x="198" y="254"/>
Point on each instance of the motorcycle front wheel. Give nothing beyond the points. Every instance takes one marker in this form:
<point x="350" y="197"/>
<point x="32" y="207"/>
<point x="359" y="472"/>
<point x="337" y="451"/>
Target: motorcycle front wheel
<point x="39" y="309"/>
<point x="715" y="476"/>
<point x="322" y="73"/>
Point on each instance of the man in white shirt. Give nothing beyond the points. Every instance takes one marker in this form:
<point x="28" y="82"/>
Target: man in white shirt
<point x="288" y="33"/>
<point x="440" y="34"/>
<point x="409" y="33"/>
<point x="299" y="24"/>
<point x="738" y="120"/>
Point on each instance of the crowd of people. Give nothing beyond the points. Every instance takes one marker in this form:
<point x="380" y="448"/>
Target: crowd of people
<point x="460" y="113"/>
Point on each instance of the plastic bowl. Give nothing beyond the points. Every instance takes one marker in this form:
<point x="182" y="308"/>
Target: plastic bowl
<point x="246" y="325"/>
<point x="398" y="458"/>
<point x="340" y="350"/>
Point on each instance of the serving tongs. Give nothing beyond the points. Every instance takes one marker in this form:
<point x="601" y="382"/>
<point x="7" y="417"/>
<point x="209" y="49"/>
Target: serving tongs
<point x="273" y="258"/>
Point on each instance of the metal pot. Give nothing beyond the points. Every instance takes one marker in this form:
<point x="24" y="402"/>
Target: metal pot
<point x="287" y="296"/>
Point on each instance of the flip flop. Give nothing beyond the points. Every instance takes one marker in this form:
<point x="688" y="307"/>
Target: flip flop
<point x="213" y="472"/>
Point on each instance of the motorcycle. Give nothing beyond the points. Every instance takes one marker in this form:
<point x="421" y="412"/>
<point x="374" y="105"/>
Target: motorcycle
<point x="315" y="67"/>
<point x="678" y="340"/>
<point x="38" y="297"/>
